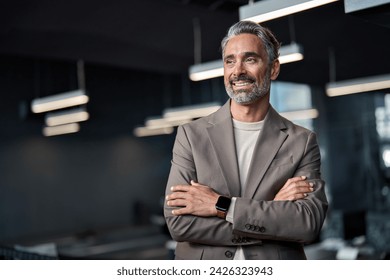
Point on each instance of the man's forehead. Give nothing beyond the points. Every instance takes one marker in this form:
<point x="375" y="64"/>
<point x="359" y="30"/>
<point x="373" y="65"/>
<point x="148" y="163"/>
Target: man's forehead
<point x="244" y="43"/>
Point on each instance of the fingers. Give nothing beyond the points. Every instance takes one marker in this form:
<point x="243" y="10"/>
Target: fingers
<point x="180" y="188"/>
<point x="294" y="180"/>
<point x="178" y="198"/>
<point x="291" y="196"/>
<point x="193" y="183"/>
<point x="176" y="195"/>
<point x="182" y="192"/>
<point x="177" y="203"/>
<point x="294" y="189"/>
<point x="187" y="188"/>
<point x="296" y="183"/>
<point x="181" y="211"/>
<point x="195" y="199"/>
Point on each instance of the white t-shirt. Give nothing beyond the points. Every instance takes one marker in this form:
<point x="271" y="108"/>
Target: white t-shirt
<point x="245" y="135"/>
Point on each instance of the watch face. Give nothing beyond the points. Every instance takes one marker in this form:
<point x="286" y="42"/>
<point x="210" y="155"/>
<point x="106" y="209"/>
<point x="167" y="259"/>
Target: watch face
<point x="223" y="203"/>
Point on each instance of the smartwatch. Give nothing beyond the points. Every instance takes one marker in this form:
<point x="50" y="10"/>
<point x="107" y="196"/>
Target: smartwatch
<point x="222" y="206"/>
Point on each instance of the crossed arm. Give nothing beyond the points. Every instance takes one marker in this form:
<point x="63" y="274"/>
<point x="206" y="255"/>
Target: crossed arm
<point x="199" y="200"/>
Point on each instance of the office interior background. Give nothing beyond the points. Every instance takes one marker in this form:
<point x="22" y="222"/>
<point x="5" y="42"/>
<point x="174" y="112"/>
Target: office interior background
<point x="97" y="193"/>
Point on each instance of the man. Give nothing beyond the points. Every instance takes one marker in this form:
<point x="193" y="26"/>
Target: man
<point x="245" y="183"/>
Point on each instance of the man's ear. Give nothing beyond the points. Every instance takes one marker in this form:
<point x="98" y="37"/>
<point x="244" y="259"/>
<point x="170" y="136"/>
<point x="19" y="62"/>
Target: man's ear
<point x="275" y="69"/>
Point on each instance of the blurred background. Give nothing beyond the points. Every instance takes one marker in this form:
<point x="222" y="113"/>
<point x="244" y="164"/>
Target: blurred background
<point x="97" y="192"/>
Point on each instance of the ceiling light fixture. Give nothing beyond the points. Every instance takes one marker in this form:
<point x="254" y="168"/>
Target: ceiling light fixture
<point x="59" y="101"/>
<point x="207" y="70"/>
<point x="213" y="69"/>
<point x="61" y="129"/>
<point x="358" y="85"/>
<point x="270" y="9"/>
<point x="68" y="116"/>
<point x="159" y="122"/>
<point x="143" y="131"/>
<point x="300" y="114"/>
<point x="192" y="111"/>
<point x="174" y="117"/>
<point x="290" y="53"/>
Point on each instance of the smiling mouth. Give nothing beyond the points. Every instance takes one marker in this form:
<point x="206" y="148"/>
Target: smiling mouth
<point x="242" y="83"/>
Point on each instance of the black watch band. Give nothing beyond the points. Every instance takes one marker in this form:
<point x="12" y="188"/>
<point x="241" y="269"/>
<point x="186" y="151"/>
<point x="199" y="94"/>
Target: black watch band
<point x="222" y="206"/>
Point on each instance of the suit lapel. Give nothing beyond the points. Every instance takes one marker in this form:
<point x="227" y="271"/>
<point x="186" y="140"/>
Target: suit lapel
<point x="222" y="140"/>
<point x="270" y="140"/>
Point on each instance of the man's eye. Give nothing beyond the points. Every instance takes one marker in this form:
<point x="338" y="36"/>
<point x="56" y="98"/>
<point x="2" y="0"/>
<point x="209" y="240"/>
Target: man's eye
<point x="251" y="60"/>
<point x="229" y="62"/>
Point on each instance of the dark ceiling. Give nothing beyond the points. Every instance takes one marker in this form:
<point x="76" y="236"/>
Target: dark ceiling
<point x="157" y="35"/>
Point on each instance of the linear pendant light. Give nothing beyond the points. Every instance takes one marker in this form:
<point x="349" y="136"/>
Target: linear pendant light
<point x="358" y="85"/>
<point x="68" y="116"/>
<point x="207" y="70"/>
<point x="173" y="117"/>
<point x="290" y="53"/>
<point x="213" y="69"/>
<point x="270" y="9"/>
<point x="300" y="114"/>
<point x="61" y="129"/>
<point x="143" y="131"/>
<point x="192" y="111"/>
<point x="59" y="101"/>
<point x="160" y="122"/>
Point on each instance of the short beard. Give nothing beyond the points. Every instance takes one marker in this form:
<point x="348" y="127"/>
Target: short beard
<point x="245" y="97"/>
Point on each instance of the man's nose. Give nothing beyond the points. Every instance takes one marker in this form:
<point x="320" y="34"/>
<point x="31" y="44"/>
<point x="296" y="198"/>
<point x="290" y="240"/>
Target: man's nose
<point x="239" y="68"/>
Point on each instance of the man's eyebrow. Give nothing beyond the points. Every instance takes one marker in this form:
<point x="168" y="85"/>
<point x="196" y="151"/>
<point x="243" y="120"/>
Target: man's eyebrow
<point x="228" y="56"/>
<point x="246" y="54"/>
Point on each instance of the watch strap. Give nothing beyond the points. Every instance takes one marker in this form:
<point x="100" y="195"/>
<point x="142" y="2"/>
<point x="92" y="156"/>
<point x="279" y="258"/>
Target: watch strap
<point x="221" y="214"/>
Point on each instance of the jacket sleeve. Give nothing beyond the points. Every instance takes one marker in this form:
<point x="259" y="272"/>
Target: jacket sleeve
<point x="201" y="230"/>
<point x="298" y="221"/>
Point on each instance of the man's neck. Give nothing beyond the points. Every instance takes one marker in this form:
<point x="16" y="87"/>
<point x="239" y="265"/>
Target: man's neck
<point x="254" y="112"/>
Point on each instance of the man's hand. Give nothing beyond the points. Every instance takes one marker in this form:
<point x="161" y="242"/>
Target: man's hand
<point x="295" y="188"/>
<point x="196" y="199"/>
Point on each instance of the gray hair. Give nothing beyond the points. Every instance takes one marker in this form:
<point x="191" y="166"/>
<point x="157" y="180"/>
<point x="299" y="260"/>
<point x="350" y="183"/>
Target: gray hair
<point x="249" y="27"/>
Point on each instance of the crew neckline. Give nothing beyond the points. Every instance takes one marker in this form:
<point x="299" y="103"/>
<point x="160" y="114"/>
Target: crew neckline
<point x="248" y="125"/>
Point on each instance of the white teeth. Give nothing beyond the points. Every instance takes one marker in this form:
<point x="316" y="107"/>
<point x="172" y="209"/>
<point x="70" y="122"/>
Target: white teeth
<point x="241" y="84"/>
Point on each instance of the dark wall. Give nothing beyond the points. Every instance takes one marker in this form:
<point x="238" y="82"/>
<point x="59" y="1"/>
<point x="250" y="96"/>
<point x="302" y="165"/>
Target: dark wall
<point x="105" y="177"/>
<point x="352" y="165"/>
<point x="102" y="176"/>
<point x="52" y="186"/>
<point x="353" y="150"/>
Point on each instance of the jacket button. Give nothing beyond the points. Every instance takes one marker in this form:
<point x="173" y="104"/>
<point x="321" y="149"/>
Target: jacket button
<point x="248" y="226"/>
<point x="234" y="240"/>
<point x="262" y="229"/>
<point x="228" y="254"/>
<point x="256" y="228"/>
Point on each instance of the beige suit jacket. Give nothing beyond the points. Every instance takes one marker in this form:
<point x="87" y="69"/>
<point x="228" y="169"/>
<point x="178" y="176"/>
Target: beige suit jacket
<point x="204" y="151"/>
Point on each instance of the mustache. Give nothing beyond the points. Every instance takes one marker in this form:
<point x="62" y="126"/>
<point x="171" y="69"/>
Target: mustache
<point x="242" y="77"/>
